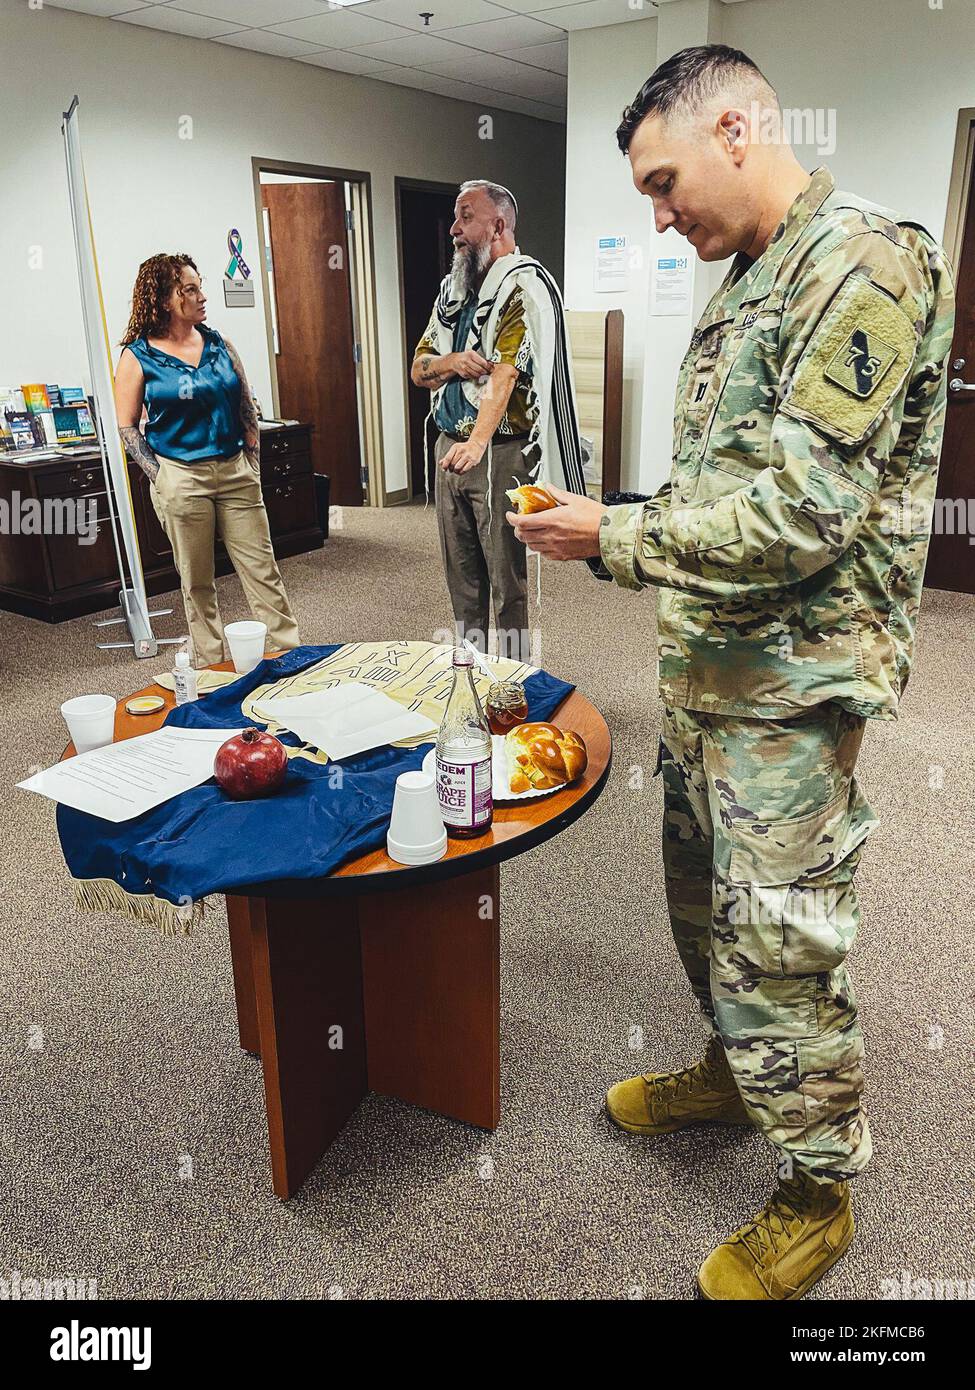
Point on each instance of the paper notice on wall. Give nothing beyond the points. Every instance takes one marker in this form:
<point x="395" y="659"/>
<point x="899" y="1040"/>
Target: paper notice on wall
<point x="671" y="285"/>
<point x="610" y="273"/>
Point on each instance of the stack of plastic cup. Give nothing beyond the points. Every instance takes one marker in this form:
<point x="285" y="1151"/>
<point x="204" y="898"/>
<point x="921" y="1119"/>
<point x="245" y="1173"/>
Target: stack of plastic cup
<point x="416" y="830"/>
<point x="246" y="642"/>
<point x="90" y="720"/>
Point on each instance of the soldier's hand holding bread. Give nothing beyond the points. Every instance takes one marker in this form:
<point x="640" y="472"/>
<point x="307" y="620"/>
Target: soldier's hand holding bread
<point x="566" y="527"/>
<point x="530" y="498"/>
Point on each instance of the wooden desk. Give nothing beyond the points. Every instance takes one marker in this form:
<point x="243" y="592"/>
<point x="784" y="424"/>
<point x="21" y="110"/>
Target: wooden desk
<point x="380" y="977"/>
<point x="54" y="578"/>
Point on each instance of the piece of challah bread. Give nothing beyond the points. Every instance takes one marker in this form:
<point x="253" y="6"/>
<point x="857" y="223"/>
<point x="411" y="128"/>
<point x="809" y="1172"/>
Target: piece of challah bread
<point x="542" y="756"/>
<point x="530" y="498"/>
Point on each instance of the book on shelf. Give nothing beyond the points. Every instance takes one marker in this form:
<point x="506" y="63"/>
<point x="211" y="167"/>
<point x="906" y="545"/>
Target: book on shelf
<point x="36" y="397"/>
<point x="73" y="422"/>
<point x="20" y="423"/>
<point x="45" y="418"/>
<point x="10" y="399"/>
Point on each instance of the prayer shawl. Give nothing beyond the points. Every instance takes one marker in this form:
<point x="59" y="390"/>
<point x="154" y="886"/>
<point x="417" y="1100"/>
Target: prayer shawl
<point x="160" y="866"/>
<point x="556" y="429"/>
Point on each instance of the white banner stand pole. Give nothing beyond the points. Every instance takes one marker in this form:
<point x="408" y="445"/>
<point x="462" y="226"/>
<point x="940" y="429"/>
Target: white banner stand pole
<point x="132" y="597"/>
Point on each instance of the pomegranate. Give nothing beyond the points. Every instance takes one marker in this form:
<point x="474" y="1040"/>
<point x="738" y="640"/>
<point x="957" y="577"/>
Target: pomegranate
<point x="250" y="764"/>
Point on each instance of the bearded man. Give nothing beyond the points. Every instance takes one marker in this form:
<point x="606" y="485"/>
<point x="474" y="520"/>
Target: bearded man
<point x="495" y="357"/>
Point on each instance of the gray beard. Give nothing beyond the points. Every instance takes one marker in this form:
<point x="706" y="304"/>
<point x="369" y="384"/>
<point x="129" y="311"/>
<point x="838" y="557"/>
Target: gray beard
<point x="470" y="266"/>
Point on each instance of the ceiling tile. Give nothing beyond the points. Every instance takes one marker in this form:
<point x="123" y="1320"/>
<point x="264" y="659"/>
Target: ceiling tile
<point x="470" y="62"/>
<point x="593" y="14"/>
<point x="246" y="12"/>
<point x="338" y="29"/>
<point x="179" y="22"/>
<point x="263" y="41"/>
<point x="446" y="13"/>
<point x="440" y="86"/>
<point x="539" y="109"/>
<point x="106" y="8"/>
<point x="413" y="50"/>
<point x="495" y="70"/>
<point x="552" y="56"/>
<point x="340" y="61"/>
<point x="500" y="35"/>
<point x="533" y="6"/>
<point x="523" y="81"/>
<point x="481" y="97"/>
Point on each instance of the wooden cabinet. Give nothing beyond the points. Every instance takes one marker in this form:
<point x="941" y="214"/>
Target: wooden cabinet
<point x="55" y="576"/>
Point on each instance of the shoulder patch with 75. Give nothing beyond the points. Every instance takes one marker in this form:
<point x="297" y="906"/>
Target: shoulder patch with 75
<point x="861" y="363"/>
<point x="854" y="364"/>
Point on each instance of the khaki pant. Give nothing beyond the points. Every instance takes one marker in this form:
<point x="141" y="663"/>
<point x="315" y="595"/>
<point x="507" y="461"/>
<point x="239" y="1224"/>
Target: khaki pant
<point x="482" y="556"/>
<point x="196" y="501"/>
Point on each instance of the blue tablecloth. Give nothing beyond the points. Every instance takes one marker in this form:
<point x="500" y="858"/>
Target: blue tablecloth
<point x="201" y="842"/>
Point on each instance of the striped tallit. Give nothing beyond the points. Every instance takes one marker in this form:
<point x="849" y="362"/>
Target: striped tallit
<point x="555" y="431"/>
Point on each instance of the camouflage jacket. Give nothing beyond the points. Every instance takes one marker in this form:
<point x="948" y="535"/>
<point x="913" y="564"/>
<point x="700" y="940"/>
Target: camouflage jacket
<point x="790" y="541"/>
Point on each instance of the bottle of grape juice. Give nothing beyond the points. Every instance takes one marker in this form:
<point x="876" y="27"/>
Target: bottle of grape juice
<point x="464" y="756"/>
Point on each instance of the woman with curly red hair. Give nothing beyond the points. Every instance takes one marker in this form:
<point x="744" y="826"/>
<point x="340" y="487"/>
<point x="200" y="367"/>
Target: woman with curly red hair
<point x="199" y="449"/>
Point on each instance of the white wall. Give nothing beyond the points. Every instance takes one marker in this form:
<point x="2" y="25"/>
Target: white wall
<point x="682" y="25"/>
<point x="607" y="67"/>
<point x="894" y="72"/>
<point x="149" y="190"/>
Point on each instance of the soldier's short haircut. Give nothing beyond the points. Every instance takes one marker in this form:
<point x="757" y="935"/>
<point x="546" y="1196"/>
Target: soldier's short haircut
<point x="686" y="81"/>
<point x="502" y="198"/>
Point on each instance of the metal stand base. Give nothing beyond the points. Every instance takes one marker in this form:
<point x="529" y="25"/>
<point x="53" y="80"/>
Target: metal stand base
<point x="144" y="643"/>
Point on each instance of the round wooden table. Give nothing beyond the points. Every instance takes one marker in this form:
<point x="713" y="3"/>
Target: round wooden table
<point x="382" y="977"/>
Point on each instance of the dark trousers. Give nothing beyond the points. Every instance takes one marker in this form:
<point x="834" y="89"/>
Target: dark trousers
<point x="483" y="559"/>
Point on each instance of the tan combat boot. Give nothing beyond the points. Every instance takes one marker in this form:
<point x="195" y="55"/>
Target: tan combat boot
<point x="661" y="1102"/>
<point x="802" y="1232"/>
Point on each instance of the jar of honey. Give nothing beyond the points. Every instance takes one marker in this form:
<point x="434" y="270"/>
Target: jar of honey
<point x="507" y="705"/>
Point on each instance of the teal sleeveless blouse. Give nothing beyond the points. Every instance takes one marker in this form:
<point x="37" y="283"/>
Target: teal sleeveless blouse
<point x="194" y="412"/>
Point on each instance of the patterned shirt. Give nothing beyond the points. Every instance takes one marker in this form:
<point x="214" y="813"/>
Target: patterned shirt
<point x="789" y="544"/>
<point x="454" y="414"/>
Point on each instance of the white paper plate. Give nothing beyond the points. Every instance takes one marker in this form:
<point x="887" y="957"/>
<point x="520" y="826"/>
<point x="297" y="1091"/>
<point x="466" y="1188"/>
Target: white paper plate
<point x="501" y="787"/>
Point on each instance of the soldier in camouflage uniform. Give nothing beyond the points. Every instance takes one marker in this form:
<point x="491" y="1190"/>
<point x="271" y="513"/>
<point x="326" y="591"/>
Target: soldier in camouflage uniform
<point x="788" y="551"/>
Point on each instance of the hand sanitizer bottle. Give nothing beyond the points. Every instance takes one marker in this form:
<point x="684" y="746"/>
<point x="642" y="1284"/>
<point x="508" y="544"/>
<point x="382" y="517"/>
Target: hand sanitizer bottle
<point x="184" y="678"/>
<point x="463" y="758"/>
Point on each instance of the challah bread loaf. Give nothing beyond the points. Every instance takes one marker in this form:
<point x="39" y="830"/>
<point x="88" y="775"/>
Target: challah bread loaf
<point x="530" y="498"/>
<point x="542" y="756"/>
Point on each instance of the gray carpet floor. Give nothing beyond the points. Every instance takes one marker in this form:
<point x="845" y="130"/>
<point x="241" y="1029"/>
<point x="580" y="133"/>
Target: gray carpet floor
<point x="133" y="1144"/>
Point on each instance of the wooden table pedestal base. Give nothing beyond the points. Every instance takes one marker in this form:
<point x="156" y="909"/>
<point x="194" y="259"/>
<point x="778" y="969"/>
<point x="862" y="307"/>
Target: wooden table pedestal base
<point x="396" y="992"/>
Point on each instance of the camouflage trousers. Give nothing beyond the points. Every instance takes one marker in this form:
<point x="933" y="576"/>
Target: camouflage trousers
<point x="763" y="822"/>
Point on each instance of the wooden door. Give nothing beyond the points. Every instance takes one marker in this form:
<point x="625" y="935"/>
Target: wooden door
<point x="951" y="559"/>
<point x="426" y="252"/>
<point x="316" y="358"/>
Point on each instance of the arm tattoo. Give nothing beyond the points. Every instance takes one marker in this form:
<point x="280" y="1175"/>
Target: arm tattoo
<point x="430" y="374"/>
<point x="248" y="412"/>
<point x="138" y="450"/>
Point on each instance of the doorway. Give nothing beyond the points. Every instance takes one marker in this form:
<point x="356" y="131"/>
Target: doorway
<point x="951" y="557"/>
<point x="319" y="290"/>
<point x="425" y="213"/>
